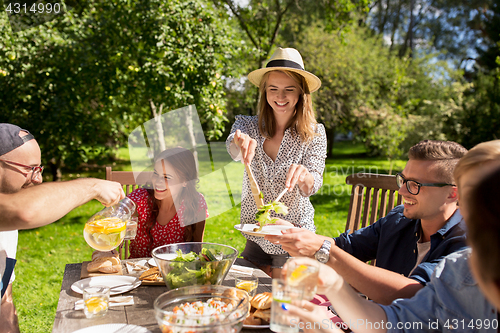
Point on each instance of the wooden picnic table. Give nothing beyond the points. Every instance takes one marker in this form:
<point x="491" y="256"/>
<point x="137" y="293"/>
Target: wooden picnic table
<point x="141" y="313"/>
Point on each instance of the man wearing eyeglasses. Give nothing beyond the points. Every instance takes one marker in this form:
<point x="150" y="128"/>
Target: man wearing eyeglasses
<point x="23" y="207"/>
<point x="407" y="243"/>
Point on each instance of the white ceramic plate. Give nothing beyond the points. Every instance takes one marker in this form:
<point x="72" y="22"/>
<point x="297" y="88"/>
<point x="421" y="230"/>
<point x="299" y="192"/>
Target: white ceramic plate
<point x="269" y="229"/>
<point x="112" y="328"/>
<point x="253" y="327"/>
<point x="152" y="262"/>
<point x="110" y="281"/>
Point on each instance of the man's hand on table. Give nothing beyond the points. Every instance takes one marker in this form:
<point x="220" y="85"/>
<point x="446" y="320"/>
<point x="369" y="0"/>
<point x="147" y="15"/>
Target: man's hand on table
<point x="298" y="241"/>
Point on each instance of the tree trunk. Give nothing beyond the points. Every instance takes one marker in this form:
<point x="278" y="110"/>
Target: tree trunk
<point x="55" y="169"/>
<point x="192" y="139"/>
<point x="158" y="125"/>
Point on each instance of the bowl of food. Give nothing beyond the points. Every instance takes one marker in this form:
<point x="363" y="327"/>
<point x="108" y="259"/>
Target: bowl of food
<point x="197" y="309"/>
<point x="191" y="264"/>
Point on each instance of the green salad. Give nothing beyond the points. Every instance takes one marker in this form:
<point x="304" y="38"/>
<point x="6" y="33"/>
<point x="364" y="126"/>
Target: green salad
<point x="263" y="215"/>
<point x="195" y="269"/>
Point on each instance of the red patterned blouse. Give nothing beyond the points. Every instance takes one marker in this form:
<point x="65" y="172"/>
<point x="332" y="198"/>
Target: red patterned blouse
<point x="172" y="232"/>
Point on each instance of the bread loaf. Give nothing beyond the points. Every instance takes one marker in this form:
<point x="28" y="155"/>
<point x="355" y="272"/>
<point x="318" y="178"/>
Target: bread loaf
<point x="104" y="254"/>
<point x="251" y="320"/>
<point x="110" y="269"/>
<point x="263" y="314"/>
<point x="262" y="301"/>
<point x="94" y="266"/>
<point x="104" y="262"/>
<point x="113" y="260"/>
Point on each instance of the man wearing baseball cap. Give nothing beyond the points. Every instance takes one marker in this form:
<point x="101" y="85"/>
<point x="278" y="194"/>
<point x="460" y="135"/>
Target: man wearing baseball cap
<point x="20" y="159"/>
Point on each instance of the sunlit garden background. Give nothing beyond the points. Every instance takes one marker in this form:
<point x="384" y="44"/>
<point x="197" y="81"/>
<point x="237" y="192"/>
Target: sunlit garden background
<point x="81" y="80"/>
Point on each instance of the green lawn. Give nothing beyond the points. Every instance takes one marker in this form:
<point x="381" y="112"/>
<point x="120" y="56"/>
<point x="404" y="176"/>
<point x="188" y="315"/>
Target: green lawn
<point x="44" y="252"/>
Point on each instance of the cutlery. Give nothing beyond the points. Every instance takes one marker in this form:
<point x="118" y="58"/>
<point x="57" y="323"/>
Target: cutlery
<point x="254" y="187"/>
<point x="120" y="286"/>
<point x="231" y="312"/>
<point x="281" y="194"/>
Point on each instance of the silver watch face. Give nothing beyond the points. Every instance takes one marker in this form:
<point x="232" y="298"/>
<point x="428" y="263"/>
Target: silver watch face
<point x="322" y="256"/>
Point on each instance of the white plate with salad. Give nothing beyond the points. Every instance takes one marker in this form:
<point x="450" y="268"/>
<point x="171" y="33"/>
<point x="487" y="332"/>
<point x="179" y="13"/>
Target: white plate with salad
<point x="270" y="229"/>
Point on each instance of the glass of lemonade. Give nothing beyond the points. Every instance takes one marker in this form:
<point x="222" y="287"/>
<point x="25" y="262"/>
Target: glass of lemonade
<point x="249" y="283"/>
<point x="281" y="320"/>
<point x="306" y="275"/>
<point x="95" y="301"/>
<point x="131" y="230"/>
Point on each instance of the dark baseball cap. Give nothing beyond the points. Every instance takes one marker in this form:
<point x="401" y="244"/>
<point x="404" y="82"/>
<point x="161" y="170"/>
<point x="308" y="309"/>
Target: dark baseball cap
<point x="10" y="139"/>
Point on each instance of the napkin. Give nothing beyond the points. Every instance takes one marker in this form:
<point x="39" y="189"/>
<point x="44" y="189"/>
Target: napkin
<point x="135" y="267"/>
<point x="241" y="270"/>
<point x="113" y="301"/>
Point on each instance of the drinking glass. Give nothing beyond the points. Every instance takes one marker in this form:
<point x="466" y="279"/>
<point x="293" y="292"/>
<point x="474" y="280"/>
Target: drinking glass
<point x="306" y="275"/>
<point x="281" y="320"/>
<point x="249" y="283"/>
<point x="131" y="230"/>
<point x="95" y="301"/>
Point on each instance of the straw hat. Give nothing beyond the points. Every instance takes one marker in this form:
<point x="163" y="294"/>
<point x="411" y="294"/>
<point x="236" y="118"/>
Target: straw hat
<point x="286" y="59"/>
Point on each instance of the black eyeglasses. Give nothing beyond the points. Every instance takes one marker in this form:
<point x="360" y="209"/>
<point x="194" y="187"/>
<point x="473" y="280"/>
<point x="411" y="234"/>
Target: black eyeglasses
<point x="35" y="170"/>
<point x="413" y="186"/>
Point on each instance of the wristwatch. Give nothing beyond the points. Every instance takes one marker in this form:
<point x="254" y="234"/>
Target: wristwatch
<point x="323" y="253"/>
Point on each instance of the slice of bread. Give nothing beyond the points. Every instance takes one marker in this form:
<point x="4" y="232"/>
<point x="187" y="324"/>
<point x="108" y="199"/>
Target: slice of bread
<point x="262" y="301"/>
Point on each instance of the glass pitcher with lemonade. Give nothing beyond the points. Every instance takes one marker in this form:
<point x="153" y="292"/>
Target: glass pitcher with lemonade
<point x="105" y="230"/>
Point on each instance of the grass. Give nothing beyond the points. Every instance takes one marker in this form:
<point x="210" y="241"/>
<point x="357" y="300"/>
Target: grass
<point x="44" y="252"/>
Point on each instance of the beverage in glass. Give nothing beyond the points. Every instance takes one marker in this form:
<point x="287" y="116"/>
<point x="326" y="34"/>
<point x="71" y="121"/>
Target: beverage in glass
<point x="249" y="283"/>
<point x="131" y="230"/>
<point x="281" y="320"/>
<point x="95" y="301"/>
<point x="306" y="275"/>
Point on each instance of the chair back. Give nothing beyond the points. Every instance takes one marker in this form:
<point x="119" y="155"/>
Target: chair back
<point x="372" y="197"/>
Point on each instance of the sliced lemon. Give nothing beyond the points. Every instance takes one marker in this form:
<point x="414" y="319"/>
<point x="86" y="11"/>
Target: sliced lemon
<point x="298" y="274"/>
<point x="107" y="225"/>
<point x="96" y="304"/>
<point x="248" y="286"/>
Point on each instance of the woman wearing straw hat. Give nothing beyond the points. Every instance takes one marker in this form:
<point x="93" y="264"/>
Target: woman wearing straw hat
<point x="284" y="146"/>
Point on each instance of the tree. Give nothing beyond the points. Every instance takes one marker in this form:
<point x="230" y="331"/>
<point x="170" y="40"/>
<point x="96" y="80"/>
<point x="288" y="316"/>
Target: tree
<point x="390" y="103"/>
<point x="82" y="81"/>
<point x="262" y="22"/>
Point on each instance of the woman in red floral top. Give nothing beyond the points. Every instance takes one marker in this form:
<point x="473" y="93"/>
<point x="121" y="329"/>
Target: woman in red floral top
<point x="171" y="210"/>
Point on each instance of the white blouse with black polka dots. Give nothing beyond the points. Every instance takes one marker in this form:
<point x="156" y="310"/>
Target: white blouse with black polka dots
<point x="271" y="176"/>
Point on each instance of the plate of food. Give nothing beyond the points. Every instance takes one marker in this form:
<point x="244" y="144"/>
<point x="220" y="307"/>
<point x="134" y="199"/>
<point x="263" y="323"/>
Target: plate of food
<point x="269" y="229"/>
<point x="119" y="284"/>
<point x="260" y="312"/>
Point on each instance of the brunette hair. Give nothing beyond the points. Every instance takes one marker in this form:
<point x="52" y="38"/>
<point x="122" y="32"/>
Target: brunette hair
<point x="182" y="160"/>
<point x="445" y="153"/>
<point x="303" y="122"/>
<point x="483" y="225"/>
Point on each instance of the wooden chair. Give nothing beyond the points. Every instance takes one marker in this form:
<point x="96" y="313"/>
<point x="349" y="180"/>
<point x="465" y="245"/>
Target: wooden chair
<point x="126" y="178"/>
<point x="372" y="197"/>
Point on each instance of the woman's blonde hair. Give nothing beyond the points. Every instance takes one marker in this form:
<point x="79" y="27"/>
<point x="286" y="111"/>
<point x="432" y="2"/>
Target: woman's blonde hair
<point x="303" y="122"/>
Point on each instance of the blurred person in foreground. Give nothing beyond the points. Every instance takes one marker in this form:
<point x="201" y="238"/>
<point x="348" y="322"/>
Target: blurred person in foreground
<point x="170" y="210"/>
<point x="20" y="169"/>
<point x="452" y="300"/>
<point x="409" y="242"/>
